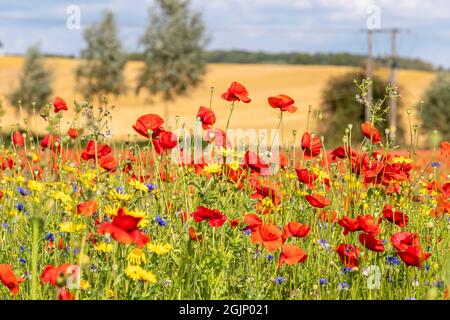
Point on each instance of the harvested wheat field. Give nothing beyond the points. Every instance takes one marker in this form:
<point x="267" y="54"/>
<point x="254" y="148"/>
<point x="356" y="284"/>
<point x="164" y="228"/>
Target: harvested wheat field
<point x="303" y="83"/>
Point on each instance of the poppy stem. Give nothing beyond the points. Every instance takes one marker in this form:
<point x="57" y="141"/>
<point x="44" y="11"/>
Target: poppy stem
<point x="229" y="117"/>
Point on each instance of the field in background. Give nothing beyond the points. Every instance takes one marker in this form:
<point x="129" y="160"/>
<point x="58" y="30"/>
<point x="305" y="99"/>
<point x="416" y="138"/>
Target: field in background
<point x="303" y="83"/>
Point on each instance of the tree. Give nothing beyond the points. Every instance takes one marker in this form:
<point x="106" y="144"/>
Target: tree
<point x="34" y="88"/>
<point x="436" y="105"/>
<point x="341" y="107"/>
<point x="173" y="44"/>
<point x="101" y="71"/>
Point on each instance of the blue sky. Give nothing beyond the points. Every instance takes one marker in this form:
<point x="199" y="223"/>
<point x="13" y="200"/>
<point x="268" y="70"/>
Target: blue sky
<point x="269" y="25"/>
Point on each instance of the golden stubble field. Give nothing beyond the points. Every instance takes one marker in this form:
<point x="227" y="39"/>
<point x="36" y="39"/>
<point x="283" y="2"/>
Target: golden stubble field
<point x="303" y="83"/>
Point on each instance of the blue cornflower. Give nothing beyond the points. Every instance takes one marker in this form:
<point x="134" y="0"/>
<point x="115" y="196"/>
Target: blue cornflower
<point x="5" y="225"/>
<point x="323" y="281"/>
<point x="324" y="244"/>
<point x="19" y="206"/>
<point x="392" y="260"/>
<point x="270" y="257"/>
<point x="346" y="270"/>
<point x="161" y="221"/>
<point x="23" y="191"/>
<point x="248" y="232"/>
<point x="427" y="267"/>
<point x="23" y="261"/>
<point x="75" y="188"/>
<point x="120" y="189"/>
<point x="439" y="284"/>
<point x="280" y="280"/>
<point x="22" y="248"/>
<point x="435" y="164"/>
<point x="150" y="186"/>
<point x="344" y="285"/>
<point x="50" y="237"/>
<point x="76" y="250"/>
<point x="384" y="241"/>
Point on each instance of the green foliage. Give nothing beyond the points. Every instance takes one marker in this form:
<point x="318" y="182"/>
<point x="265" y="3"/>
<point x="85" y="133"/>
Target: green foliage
<point x="338" y="59"/>
<point x="173" y="50"/>
<point x="101" y="71"/>
<point x="436" y="106"/>
<point x="341" y="105"/>
<point x="34" y="87"/>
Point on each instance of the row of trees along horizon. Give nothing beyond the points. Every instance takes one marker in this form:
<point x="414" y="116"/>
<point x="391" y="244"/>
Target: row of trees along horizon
<point x="175" y="60"/>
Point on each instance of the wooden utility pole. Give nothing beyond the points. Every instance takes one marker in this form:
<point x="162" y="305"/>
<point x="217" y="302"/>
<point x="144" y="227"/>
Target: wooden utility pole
<point x="393" y="81"/>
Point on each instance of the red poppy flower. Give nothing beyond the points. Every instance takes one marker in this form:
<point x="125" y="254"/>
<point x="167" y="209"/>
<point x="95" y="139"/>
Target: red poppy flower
<point x="368" y="224"/>
<point x="87" y="208"/>
<point x="253" y="222"/>
<point x="348" y="254"/>
<point x="269" y="235"/>
<point x="73" y="133"/>
<point x="445" y="149"/>
<point x="89" y="153"/>
<point x="317" y="201"/>
<point x="18" y="139"/>
<point x="64" y="294"/>
<point x="124" y="229"/>
<point x="148" y="122"/>
<point x="311" y="146"/>
<point x="215" y="217"/>
<point x="207" y="117"/>
<point x="291" y="254"/>
<point x="342" y="153"/>
<point x="266" y="189"/>
<point x="234" y="223"/>
<point x="283" y="102"/>
<point x="59" y="105"/>
<point x="9" y="279"/>
<point x="403" y="240"/>
<point x="255" y="163"/>
<point x="164" y="140"/>
<point x="349" y="224"/>
<point x="108" y="162"/>
<point x="397" y="217"/>
<point x="193" y="235"/>
<point x="296" y="229"/>
<point x="413" y="256"/>
<point x="371" y="132"/>
<point x="49" y="141"/>
<point x="305" y="176"/>
<point x="53" y="275"/>
<point x="236" y="92"/>
<point x="370" y="242"/>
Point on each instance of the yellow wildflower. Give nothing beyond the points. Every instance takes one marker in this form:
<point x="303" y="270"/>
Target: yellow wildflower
<point x="136" y="257"/>
<point x="224" y="152"/>
<point x="111" y="210"/>
<point x="116" y="195"/>
<point x="137" y="273"/>
<point x="158" y="248"/>
<point x="84" y="284"/>
<point x="103" y="247"/>
<point x="71" y="227"/>
<point x="136" y="213"/>
<point x="212" y="168"/>
<point x="138" y="185"/>
<point x="35" y="185"/>
<point x="401" y="159"/>
<point x="234" y="165"/>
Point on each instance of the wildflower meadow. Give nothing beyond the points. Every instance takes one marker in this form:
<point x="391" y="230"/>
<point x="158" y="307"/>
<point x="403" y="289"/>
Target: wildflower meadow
<point x="200" y="212"/>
